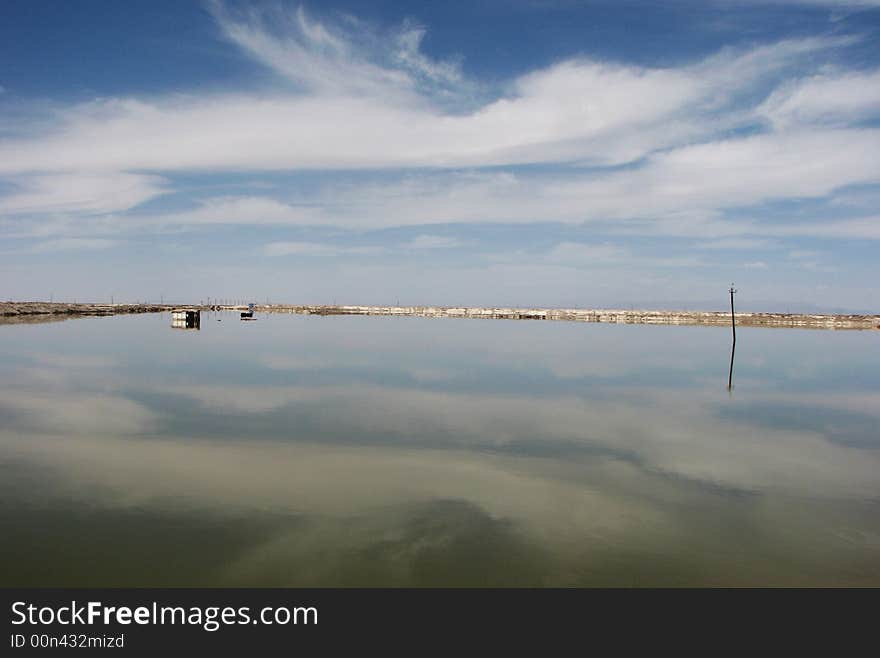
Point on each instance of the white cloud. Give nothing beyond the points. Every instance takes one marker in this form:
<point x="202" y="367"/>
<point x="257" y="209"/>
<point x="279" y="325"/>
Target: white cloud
<point x="739" y="172"/>
<point x="238" y="210"/>
<point x="839" y="98"/>
<point x="432" y="242"/>
<point x="736" y="243"/>
<point x="73" y="244"/>
<point x="91" y="193"/>
<point x="665" y="197"/>
<point x="316" y="249"/>
<point x="677" y="189"/>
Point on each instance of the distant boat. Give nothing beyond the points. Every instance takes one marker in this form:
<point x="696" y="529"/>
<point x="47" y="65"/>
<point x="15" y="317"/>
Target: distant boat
<point x="248" y="314"/>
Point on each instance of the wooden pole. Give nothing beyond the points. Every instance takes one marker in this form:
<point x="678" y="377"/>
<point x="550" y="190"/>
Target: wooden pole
<point x="732" y="315"/>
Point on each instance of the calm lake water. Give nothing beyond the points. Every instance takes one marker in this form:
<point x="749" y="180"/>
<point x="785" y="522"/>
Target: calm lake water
<point x="369" y="451"/>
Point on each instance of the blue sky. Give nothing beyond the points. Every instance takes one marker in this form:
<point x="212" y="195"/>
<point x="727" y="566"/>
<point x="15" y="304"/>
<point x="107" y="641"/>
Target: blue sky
<point x="534" y="153"/>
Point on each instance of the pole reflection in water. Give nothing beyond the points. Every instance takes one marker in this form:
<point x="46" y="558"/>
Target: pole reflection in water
<point x="730" y="372"/>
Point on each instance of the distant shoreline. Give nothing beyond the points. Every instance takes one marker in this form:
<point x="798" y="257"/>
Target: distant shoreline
<point x="614" y="316"/>
<point x="19" y="312"/>
<point x="35" y="312"/>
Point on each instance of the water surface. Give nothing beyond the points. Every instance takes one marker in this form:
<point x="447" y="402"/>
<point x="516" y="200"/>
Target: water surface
<point x="305" y="450"/>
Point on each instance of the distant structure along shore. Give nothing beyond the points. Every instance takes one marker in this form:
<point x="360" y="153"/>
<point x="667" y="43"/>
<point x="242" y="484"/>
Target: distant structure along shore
<point x="11" y="312"/>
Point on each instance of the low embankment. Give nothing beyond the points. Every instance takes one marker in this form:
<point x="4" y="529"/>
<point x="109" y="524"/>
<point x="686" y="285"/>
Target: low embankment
<point x="26" y="312"/>
<point x="596" y="315"/>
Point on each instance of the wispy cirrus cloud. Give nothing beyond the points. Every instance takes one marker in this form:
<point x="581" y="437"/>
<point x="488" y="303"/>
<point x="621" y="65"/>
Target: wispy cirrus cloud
<point x="344" y="58"/>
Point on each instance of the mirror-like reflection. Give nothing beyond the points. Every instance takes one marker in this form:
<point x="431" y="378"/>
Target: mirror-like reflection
<point x="303" y="450"/>
<point x="730" y="370"/>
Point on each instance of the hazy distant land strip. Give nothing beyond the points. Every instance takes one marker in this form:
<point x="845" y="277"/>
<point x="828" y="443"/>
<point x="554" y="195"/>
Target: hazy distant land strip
<point x="34" y="312"/>
<point x="15" y="312"/>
